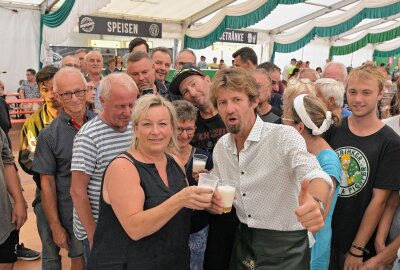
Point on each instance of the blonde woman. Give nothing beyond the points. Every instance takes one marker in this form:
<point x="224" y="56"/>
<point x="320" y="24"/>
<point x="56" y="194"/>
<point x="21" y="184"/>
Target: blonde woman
<point x="146" y="204"/>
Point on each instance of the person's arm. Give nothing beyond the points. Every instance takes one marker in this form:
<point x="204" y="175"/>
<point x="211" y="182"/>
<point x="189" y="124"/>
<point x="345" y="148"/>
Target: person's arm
<point x="329" y="203"/>
<point x="316" y="185"/>
<point x="122" y="184"/>
<point x="309" y="211"/>
<point x="80" y="199"/>
<point x="83" y="164"/>
<point x="49" y="203"/>
<point x="19" y="214"/>
<point x="27" y="146"/>
<point x="370" y="220"/>
<point x="386" y="221"/>
<point x="385" y="258"/>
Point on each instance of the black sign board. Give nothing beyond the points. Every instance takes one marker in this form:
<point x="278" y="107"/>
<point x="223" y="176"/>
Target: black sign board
<point x="237" y="36"/>
<point x="109" y="26"/>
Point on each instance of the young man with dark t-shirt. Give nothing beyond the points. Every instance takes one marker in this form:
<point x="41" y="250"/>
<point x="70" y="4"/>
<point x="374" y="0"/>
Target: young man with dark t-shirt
<point x="194" y="86"/>
<point x="369" y="153"/>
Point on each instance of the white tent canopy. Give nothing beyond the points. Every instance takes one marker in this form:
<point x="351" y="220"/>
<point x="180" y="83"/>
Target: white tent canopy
<point x="283" y="24"/>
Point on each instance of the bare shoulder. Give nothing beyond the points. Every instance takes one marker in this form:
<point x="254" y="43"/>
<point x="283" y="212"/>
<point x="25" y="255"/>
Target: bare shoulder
<point x="120" y="179"/>
<point x="178" y="160"/>
<point x="121" y="166"/>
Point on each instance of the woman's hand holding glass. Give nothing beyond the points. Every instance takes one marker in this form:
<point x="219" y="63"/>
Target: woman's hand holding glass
<point x="196" y="198"/>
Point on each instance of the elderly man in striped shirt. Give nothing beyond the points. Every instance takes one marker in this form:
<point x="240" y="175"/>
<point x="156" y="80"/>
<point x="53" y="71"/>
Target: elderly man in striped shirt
<point x="96" y="144"/>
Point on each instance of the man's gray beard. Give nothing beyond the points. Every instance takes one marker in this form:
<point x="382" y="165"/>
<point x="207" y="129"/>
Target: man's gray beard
<point x="233" y="129"/>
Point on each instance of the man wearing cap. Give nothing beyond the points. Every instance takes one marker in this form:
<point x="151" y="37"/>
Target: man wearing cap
<point x="195" y="87"/>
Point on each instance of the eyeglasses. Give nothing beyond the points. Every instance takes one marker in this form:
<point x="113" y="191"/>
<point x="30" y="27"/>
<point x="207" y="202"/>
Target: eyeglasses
<point x="72" y="65"/>
<point x="77" y="93"/>
<point x="189" y="131"/>
<point x="296" y="81"/>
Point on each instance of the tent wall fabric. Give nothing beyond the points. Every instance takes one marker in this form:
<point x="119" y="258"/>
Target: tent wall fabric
<point x="370" y="9"/>
<point x="231" y="17"/>
<point x="56" y="28"/>
<point x="55" y="19"/>
<point x="19" y="44"/>
<point x="367" y="39"/>
<point x="386" y="53"/>
<point x="387" y="49"/>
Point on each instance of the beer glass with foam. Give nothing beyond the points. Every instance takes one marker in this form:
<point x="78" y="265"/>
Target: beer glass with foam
<point x="199" y="164"/>
<point x="227" y="196"/>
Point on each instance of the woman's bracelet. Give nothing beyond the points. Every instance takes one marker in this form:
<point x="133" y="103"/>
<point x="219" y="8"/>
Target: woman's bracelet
<point x="363" y="249"/>
<point x="355" y="255"/>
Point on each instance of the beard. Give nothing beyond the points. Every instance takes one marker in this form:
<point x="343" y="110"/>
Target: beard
<point x="234" y="129"/>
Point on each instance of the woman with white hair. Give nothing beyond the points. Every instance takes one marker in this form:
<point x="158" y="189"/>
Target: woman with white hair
<point x="331" y="92"/>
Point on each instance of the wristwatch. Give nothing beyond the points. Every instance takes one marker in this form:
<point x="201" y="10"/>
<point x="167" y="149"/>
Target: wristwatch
<point x="321" y="205"/>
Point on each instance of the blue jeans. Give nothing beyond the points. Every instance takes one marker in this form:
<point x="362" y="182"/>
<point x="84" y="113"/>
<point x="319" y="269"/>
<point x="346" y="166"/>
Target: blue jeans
<point x="197" y="245"/>
<point x="86" y="249"/>
<point x="50" y="251"/>
<point x="51" y="260"/>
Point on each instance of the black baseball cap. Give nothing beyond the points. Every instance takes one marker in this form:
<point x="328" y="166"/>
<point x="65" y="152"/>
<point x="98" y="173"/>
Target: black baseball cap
<point x="182" y="73"/>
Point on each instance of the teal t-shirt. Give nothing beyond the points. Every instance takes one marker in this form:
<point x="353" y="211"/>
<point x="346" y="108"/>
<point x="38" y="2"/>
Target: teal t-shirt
<point x="320" y="252"/>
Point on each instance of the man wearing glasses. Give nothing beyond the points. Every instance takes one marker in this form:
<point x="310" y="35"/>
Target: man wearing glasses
<point x="53" y="160"/>
<point x="70" y="61"/>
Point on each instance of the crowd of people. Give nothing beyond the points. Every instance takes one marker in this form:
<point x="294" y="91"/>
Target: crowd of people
<point x="311" y="153"/>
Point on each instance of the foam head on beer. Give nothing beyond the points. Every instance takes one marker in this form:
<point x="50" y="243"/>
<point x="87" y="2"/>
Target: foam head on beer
<point x="227" y="196"/>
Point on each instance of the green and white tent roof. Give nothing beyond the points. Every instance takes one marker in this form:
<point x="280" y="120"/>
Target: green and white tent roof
<point x="287" y="25"/>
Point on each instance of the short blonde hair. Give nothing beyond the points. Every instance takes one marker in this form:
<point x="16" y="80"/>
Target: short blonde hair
<point x="142" y="106"/>
<point x="297" y="87"/>
<point x="367" y="72"/>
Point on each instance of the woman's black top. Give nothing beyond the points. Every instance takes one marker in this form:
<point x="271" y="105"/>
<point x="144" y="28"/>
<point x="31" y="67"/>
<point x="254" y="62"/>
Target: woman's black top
<point x="165" y="249"/>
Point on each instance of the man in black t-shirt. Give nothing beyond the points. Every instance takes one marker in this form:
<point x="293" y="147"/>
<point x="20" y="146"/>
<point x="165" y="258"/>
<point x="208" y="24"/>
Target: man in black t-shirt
<point x="191" y="83"/>
<point x="370" y="156"/>
<point x="194" y="86"/>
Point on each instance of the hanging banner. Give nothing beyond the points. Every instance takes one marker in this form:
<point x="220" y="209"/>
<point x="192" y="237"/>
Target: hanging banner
<point x="110" y="26"/>
<point x="238" y="36"/>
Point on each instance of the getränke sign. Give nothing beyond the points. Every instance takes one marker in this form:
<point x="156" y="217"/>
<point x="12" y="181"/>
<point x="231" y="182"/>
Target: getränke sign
<point x="110" y="26"/>
<point x="237" y="36"/>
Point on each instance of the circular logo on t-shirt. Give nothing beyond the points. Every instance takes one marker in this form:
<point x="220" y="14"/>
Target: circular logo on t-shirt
<point x="355" y="170"/>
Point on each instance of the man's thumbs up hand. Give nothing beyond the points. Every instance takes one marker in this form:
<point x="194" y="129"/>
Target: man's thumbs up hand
<point x="309" y="213"/>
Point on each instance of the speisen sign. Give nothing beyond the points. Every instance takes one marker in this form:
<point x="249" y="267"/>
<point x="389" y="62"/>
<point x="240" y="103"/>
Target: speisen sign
<point x="237" y="36"/>
<point x="110" y="26"/>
